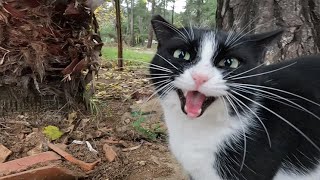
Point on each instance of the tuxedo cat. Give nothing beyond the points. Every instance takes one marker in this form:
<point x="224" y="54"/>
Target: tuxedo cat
<point x="229" y="115"/>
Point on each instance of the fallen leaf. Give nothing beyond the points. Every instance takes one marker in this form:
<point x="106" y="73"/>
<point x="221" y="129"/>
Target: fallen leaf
<point x="52" y="132"/>
<point x="109" y="153"/>
<point x="72" y="117"/>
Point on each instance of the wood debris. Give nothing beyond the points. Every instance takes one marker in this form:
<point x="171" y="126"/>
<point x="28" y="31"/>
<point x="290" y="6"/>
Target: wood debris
<point x="45" y="42"/>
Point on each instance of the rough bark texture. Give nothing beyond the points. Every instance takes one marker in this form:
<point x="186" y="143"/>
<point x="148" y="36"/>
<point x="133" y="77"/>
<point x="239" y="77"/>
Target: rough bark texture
<point x="48" y="49"/>
<point x="299" y="18"/>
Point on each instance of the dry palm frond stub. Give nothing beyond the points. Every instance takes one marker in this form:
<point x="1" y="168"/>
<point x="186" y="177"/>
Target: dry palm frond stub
<point x="48" y="48"/>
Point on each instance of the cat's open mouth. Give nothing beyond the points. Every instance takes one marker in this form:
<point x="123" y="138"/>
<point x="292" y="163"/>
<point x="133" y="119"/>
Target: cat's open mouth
<point x="194" y="103"/>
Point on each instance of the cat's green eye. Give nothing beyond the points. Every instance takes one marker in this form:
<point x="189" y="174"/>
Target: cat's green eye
<point x="180" y="54"/>
<point x="229" y="62"/>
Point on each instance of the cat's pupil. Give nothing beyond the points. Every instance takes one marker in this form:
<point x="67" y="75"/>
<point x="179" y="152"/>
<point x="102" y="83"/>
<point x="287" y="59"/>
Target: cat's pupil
<point x="181" y="55"/>
<point x="228" y="62"/>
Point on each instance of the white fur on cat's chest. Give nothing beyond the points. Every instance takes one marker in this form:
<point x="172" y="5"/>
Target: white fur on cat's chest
<point x="194" y="142"/>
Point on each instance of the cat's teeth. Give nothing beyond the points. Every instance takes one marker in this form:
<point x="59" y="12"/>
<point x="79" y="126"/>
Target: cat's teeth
<point x="185" y="108"/>
<point x="185" y="93"/>
<point x="199" y="111"/>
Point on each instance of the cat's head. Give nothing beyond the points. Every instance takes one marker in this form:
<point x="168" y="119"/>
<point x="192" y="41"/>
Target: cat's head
<point x="199" y="64"/>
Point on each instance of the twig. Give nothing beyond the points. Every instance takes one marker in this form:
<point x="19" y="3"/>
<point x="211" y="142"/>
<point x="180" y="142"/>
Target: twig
<point x="132" y="148"/>
<point x="19" y="122"/>
<point x="5" y="54"/>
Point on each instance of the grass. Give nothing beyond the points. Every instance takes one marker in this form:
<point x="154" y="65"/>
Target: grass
<point x="136" y="54"/>
<point x="152" y="133"/>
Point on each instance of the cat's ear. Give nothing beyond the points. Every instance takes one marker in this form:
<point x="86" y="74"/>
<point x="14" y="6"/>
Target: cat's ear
<point x="163" y="29"/>
<point x="265" y="39"/>
<point x="262" y="41"/>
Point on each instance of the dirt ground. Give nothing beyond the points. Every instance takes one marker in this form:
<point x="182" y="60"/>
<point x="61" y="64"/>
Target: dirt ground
<point x="119" y="118"/>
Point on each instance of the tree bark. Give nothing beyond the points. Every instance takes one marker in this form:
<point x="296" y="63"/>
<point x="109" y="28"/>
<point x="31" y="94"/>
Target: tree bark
<point x="119" y="35"/>
<point x="299" y="18"/>
<point x="150" y="36"/>
<point x="132" y="41"/>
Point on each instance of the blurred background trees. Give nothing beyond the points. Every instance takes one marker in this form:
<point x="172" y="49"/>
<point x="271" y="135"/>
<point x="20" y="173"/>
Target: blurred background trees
<point x="136" y="15"/>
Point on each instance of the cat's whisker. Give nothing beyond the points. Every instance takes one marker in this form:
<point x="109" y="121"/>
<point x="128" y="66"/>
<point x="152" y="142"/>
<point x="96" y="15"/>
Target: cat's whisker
<point x="149" y="85"/>
<point x="243" y="129"/>
<point x="265" y="96"/>
<point x="132" y="60"/>
<point x="164" y="70"/>
<point x="185" y="30"/>
<point x="282" y="98"/>
<point x="240" y="34"/>
<point x="242" y="72"/>
<point x="279" y="90"/>
<point x="280" y="117"/>
<point x="164" y="93"/>
<point x="255" y="114"/>
<point x="225" y="105"/>
<point x="158" y="90"/>
<point x="232" y="31"/>
<point x="191" y="31"/>
<point x="150" y="67"/>
<point x="168" y="62"/>
<point x="175" y="30"/>
<point x="148" y="64"/>
<point x="234" y="26"/>
<point x="161" y="74"/>
<point x="159" y="77"/>
<point x="233" y="45"/>
<point x="157" y="83"/>
<point x="263" y="73"/>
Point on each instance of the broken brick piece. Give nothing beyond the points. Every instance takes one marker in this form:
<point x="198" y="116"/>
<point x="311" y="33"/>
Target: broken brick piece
<point x="24" y="163"/>
<point x="43" y="173"/>
<point x="4" y="153"/>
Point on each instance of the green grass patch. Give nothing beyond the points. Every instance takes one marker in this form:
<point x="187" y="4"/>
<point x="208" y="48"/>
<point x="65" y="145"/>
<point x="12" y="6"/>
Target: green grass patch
<point x="149" y="133"/>
<point x="135" y="54"/>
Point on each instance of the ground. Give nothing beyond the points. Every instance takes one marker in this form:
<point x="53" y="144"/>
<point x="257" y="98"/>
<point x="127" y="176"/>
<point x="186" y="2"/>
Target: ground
<point x="119" y="123"/>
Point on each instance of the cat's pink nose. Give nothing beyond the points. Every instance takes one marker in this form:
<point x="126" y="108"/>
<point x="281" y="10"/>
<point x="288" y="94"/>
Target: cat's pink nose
<point x="199" y="79"/>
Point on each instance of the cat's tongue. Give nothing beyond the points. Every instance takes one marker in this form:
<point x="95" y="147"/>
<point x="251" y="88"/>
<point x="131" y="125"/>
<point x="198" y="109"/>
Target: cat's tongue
<point x="194" y="101"/>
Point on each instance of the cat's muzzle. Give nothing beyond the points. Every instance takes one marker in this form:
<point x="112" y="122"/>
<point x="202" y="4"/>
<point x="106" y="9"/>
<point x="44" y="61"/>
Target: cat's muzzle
<point x="194" y="103"/>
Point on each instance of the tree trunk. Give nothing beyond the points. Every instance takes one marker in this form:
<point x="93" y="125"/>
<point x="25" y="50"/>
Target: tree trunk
<point x="164" y="8"/>
<point x="299" y="18"/>
<point x="172" y="15"/>
<point x="198" y="11"/>
<point x="128" y="17"/>
<point x="132" y="25"/>
<point x="150" y="36"/>
<point x="119" y="35"/>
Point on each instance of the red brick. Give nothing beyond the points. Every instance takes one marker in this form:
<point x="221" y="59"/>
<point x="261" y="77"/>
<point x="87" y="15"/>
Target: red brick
<point x="43" y="173"/>
<point x="21" y="164"/>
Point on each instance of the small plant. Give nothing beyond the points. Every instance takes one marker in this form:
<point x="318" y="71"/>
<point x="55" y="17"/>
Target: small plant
<point x="52" y="132"/>
<point x="152" y="133"/>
